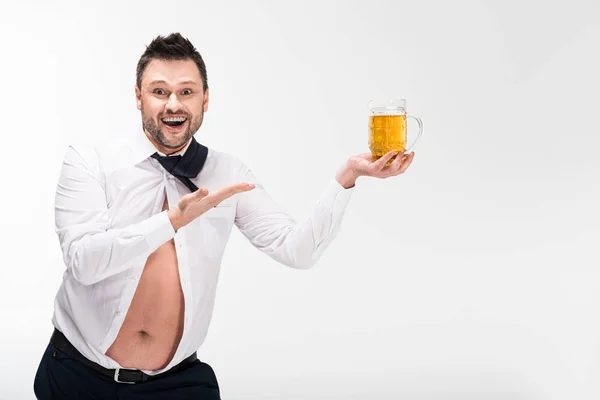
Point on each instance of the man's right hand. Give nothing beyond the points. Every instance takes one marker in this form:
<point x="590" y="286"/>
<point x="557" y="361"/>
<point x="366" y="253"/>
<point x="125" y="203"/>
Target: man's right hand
<point x="192" y="205"/>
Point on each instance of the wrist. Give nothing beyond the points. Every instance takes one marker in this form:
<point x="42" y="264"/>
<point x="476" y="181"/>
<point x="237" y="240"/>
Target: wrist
<point x="175" y="218"/>
<point x="345" y="176"/>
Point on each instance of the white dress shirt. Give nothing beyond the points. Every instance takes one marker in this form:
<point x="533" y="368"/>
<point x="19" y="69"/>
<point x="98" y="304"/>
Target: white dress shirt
<point x="109" y="219"/>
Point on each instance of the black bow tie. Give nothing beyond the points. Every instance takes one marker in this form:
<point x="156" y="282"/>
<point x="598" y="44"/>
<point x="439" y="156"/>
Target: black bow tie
<point x="187" y="166"/>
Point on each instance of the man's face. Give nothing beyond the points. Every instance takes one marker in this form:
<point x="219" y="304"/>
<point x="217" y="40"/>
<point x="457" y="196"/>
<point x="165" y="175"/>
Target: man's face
<point x="172" y="101"/>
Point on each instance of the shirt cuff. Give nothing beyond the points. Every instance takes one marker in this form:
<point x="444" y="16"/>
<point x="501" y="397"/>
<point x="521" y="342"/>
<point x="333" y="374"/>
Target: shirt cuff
<point x="336" y="195"/>
<point x="157" y="230"/>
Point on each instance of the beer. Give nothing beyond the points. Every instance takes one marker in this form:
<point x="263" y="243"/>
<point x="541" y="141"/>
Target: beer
<point x="387" y="133"/>
<point x="388" y="130"/>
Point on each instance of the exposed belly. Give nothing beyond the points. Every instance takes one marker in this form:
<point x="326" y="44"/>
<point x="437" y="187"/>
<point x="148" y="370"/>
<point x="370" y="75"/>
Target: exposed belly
<point x="153" y="325"/>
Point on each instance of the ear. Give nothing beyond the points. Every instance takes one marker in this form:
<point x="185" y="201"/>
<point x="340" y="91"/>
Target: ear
<point x="205" y="104"/>
<point x="138" y="98"/>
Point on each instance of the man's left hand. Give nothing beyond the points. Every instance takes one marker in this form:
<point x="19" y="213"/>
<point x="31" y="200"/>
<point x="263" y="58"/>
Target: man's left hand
<point x="364" y="165"/>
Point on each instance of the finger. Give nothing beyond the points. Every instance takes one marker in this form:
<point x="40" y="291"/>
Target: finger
<point x="395" y="165"/>
<point x="228" y="191"/>
<point x="384" y="159"/>
<point x="406" y="163"/>
<point x="238" y="188"/>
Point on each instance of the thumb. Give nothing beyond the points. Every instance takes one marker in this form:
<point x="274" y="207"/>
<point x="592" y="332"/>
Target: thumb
<point x="200" y="193"/>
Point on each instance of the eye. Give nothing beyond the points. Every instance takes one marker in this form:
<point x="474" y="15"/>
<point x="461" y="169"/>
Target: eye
<point x="187" y="91"/>
<point x="159" y="92"/>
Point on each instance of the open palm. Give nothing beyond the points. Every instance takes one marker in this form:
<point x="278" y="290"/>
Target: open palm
<point x="365" y="165"/>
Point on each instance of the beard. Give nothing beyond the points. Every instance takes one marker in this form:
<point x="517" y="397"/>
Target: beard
<point x="168" y="140"/>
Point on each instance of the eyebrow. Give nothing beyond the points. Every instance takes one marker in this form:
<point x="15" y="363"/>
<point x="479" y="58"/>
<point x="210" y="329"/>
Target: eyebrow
<point x="160" y="81"/>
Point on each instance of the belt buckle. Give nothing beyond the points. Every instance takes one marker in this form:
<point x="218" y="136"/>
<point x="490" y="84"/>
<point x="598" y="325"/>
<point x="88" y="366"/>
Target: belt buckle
<point x="117" y="372"/>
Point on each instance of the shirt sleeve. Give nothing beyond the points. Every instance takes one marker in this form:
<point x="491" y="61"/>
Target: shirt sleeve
<point x="298" y="244"/>
<point x="92" y="250"/>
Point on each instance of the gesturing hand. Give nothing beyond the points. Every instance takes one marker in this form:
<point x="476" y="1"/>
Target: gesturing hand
<point x="192" y="205"/>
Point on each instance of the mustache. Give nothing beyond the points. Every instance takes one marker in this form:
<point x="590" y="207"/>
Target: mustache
<point x="178" y="112"/>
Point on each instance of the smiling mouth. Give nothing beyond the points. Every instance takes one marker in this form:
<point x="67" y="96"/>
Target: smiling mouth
<point x="174" y="122"/>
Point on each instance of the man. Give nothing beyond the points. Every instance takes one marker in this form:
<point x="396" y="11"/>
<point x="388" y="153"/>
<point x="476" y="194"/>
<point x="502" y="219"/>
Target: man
<point x="143" y="227"/>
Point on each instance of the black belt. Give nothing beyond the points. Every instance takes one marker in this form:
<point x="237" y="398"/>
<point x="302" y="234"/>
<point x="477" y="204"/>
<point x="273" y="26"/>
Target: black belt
<point x="121" y="375"/>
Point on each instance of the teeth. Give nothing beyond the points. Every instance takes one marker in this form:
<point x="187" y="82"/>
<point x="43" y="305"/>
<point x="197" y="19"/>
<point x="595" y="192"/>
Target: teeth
<point x="179" y="119"/>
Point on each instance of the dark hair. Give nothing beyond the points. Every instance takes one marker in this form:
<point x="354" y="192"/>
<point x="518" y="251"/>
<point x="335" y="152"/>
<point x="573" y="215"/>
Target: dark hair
<point x="172" y="47"/>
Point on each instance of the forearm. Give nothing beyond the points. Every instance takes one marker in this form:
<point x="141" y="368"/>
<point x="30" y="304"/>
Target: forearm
<point x="93" y="252"/>
<point x="301" y="244"/>
<point x="295" y="244"/>
<point x="93" y="249"/>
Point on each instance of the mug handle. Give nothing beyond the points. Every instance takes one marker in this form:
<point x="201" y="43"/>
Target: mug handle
<point x="412" y="146"/>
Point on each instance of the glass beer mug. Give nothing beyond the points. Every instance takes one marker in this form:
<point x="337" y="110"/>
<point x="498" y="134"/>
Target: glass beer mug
<point x="388" y="128"/>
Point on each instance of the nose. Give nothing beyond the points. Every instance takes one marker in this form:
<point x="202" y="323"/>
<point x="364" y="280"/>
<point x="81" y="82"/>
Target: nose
<point x="173" y="103"/>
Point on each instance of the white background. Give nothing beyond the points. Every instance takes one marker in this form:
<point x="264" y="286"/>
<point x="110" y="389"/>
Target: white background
<point x="473" y="276"/>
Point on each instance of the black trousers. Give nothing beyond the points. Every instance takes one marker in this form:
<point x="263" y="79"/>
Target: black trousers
<point x="61" y="377"/>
